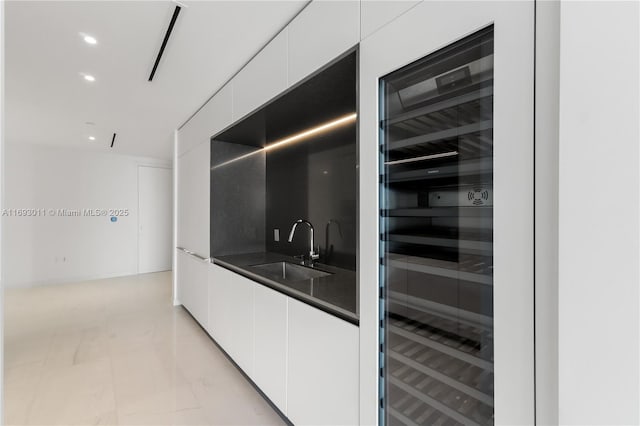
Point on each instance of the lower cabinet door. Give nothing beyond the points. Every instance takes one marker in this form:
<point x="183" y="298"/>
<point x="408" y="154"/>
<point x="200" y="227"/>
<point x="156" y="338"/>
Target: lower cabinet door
<point x="322" y="380"/>
<point x="219" y="327"/>
<point x="270" y="344"/>
<point x="214" y="302"/>
<point x="183" y="279"/>
<point x="231" y="314"/>
<point x="199" y="306"/>
<point x="193" y="289"/>
<point x="240" y="318"/>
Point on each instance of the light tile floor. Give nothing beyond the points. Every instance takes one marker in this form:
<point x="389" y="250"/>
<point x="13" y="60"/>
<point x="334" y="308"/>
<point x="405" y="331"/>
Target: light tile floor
<point x="116" y="351"/>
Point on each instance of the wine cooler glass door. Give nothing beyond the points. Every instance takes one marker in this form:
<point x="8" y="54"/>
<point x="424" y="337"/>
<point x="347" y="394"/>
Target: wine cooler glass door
<point x="437" y="217"/>
<point x="455" y="147"/>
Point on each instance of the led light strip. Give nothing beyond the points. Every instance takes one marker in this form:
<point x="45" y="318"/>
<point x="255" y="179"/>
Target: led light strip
<point x="313" y="131"/>
<point x="233" y="160"/>
<point x="297" y="137"/>
<point x="424" y="157"/>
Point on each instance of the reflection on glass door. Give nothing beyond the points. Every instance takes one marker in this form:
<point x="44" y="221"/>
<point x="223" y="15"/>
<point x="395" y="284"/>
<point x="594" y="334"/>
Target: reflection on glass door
<point x="437" y="237"/>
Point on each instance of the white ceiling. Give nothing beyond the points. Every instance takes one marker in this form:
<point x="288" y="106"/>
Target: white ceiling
<point x="48" y="102"/>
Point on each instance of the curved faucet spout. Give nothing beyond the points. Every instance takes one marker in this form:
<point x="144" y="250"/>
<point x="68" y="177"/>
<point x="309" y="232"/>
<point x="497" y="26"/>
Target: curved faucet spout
<point x="312" y="254"/>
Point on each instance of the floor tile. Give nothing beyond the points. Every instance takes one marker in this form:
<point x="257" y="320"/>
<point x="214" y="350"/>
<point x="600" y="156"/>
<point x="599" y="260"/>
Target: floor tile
<point x="75" y="395"/>
<point x="116" y="352"/>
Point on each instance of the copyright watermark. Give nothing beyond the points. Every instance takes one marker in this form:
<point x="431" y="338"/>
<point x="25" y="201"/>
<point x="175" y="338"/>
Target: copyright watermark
<point x="57" y="212"/>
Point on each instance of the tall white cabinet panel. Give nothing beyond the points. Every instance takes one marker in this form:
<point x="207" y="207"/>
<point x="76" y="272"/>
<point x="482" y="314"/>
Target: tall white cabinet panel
<point x="377" y="13"/>
<point x="262" y="78"/>
<point x="425" y="29"/>
<point x="214" y="116"/>
<point x="193" y="199"/>
<point x="322" y="31"/>
<point x="322" y="382"/>
<point x="270" y="364"/>
<point x="598" y="271"/>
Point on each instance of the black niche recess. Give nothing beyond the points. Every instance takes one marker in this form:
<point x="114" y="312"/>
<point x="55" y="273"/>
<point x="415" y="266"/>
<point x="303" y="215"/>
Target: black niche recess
<point x="255" y="191"/>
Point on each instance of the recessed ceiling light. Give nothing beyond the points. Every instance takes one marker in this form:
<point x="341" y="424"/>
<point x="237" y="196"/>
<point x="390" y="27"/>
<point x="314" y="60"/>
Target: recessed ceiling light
<point x="92" y="138"/>
<point x="89" y="77"/>
<point x="89" y="39"/>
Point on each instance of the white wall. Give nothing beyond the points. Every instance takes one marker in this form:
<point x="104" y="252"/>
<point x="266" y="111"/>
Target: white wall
<point x="45" y="249"/>
<point x="599" y="281"/>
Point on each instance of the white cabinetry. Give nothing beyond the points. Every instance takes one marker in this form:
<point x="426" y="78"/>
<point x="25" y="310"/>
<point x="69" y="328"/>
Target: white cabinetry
<point x="214" y="116"/>
<point x="240" y="321"/>
<point x="261" y="79"/>
<point x="193" y="288"/>
<point x="322" y="379"/>
<point x="183" y="277"/>
<point x="270" y="343"/>
<point x="303" y="359"/>
<point x="198" y="304"/>
<point x="322" y="31"/>
<point x="231" y="315"/>
<point x="217" y="326"/>
<point x="376" y="13"/>
<point x="193" y="200"/>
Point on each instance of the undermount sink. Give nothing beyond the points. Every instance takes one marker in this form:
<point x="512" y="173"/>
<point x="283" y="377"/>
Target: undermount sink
<point x="289" y="271"/>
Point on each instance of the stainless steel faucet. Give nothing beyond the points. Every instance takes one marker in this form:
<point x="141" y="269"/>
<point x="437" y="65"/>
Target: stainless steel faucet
<point x="312" y="253"/>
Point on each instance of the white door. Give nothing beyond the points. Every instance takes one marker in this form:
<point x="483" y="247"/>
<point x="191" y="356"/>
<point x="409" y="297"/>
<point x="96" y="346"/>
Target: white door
<point x="431" y="30"/>
<point x="155" y="215"/>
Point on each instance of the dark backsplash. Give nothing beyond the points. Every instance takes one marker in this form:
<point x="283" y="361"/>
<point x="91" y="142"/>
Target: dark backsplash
<point x="315" y="180"/>
<point x="237" y="200"/>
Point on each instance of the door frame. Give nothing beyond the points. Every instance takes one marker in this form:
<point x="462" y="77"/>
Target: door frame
<point x="153" y="166"/>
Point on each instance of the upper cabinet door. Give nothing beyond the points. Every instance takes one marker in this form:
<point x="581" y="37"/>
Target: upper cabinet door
<point x="320" y="33"/>
<point x="376" y="13"/>
<point x="214" y="116"/>
<point x="264" y="77"/>
<point x="447" y="115"/>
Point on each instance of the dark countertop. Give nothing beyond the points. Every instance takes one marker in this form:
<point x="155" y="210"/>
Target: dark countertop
<point x="335" y="294"/>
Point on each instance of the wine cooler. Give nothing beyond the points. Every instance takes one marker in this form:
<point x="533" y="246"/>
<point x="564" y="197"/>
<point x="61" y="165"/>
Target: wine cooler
<point x="436" y="243"/>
